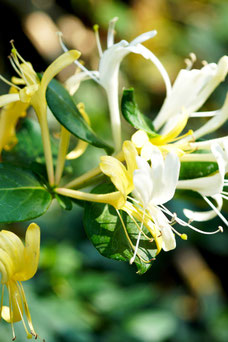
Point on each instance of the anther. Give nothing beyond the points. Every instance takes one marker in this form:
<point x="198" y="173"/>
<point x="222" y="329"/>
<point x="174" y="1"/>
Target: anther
<point x="184" y="236"/>
<point x="221" y="229"/>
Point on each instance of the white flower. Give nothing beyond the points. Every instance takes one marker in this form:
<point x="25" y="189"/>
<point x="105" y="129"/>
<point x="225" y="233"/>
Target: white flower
<point x="210" y="186"/>
<point x="154" y="186"/>
<point x="108" y="72"/>
<point x="191" y="89"/>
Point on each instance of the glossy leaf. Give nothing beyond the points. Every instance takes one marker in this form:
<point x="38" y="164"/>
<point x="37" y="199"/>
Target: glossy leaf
<point x="22" y="197"/>
<point x="191" y="170"/>
<point x="105" y="231"/>
<point x="65" y="111"/>
<point x="133" y="115"/>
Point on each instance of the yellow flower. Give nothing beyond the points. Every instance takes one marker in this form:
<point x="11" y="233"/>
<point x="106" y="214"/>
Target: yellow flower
<point x="18" y="263"/>
<point x="34" y="93"/>
<point x="122" y="178"/>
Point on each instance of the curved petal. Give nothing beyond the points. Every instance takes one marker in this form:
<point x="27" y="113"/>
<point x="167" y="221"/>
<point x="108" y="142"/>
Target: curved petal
<point x="60" y="63"/>
<point x="31" y="253"/>
<point x="213" y="124"/>
<point x="201" y="216"/>
<point x="191" y="89"/>
<point x="14" y="248"/>
<point x="8" y="120"/>
<point x="201" y="185"/>
<point x="117" y="172"/>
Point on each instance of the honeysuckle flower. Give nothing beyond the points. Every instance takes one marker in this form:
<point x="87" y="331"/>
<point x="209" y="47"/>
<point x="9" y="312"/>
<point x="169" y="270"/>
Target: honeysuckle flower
<point x="190" y="90"/>
<point x="210" y="186"/>
<point x="108" y="71"/>
<point x="18" y="262"/>
<point x="34" y="91"/>
<point x="155" y="185"/>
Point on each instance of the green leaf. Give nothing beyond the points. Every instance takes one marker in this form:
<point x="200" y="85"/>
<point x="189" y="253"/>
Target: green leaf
<point x="104" y="229"/>
<point x="133" y="115"/>
<point x="191" y="170"/>
<point x="65" y="111"/>
<point x="64" y="202"/>
<point x="21" y="195"/>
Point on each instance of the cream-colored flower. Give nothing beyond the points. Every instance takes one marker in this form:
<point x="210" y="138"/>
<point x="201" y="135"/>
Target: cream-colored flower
<point x="18" y="262"/>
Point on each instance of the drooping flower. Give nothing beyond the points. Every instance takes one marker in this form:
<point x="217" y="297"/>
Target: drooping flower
<point x="18" y="262"/>
<point x="190" y="90"/>
<point x="108" y="71"/>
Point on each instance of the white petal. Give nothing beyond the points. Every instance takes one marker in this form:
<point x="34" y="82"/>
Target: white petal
<point x="201" y="216"/>
<point x="143" y="37"/>
<point x="191" y="89"/>
<point x="213" y="124"/>
<point x="207" y="186"/>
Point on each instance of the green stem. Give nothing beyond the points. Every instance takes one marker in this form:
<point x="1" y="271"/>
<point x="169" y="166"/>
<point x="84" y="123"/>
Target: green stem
<point x="47" y="148"/>
<point x="63" y="147"/>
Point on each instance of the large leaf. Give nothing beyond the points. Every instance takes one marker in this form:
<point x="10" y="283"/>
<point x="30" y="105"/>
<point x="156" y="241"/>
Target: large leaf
<point x="191" y="170"/>
<point x="105" y="231"/>
<point x="133" y="115"/>
<point x="64" y="109"/>
<point x="21" y="195"/>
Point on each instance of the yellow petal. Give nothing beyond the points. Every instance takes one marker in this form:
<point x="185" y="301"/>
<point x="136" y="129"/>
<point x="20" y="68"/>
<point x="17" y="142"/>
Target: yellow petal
<point x="81" y="145"/>
<point x="60" y="63"/>
<point x="31" y="253"/>
<point x="6" y="266"/>
<point x="173" y="133"/>
<point x="8" y="120"/>
<point x="14" y="247"/>
<point x="117" y="172"/>
<point x="130" y="155"/>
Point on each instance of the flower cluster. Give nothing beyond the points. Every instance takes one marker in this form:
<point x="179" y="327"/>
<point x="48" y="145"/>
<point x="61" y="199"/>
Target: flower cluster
<point x="144" y="172"/>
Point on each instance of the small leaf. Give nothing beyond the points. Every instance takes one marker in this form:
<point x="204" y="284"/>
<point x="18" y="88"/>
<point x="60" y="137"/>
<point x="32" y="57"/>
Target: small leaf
<point x="64" y="202"/>
<point x="22" y="197"/>
<point x="65" y="111"/>
<point x="104" y="229"/>
<point x="133" y="115"/>
<point x="191" y="170"/>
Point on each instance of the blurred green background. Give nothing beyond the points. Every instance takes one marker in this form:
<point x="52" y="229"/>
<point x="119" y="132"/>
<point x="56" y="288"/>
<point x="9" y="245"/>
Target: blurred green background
<point x="77" y="295"/>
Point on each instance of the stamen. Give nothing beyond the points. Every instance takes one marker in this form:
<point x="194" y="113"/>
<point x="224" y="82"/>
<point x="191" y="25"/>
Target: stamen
<point x="225" y="197"/>
<point x="65" y="49"/>
<point x="23" y="321"/>
<point x="190" y="61"/>
<point x="27" y="312"/>
<point x="186" y="224"/>
<point x="9" y="83"/>
<point x="111" y="31"/>
<point x="96" y="31"/>
<point x="15" y="67"/>
<point x="11" y="314"/>
<point x="204" y="62"/>
<point x="138" y="239"/>
<point x="216" y="210"/>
